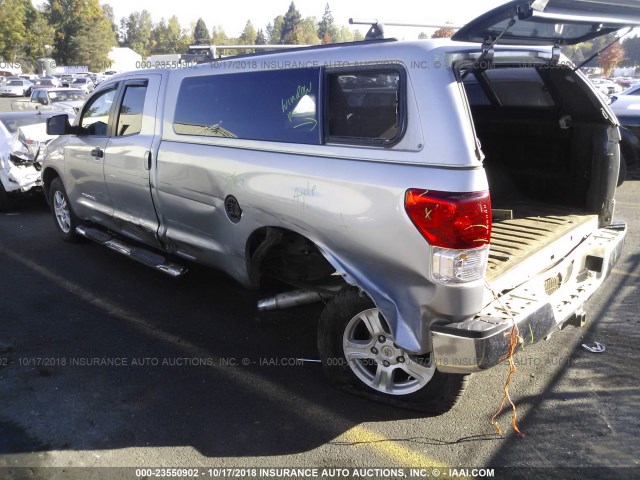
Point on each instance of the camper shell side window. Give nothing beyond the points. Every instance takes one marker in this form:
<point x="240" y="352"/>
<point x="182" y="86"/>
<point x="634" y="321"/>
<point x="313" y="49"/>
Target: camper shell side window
<point x="271" y="105"/>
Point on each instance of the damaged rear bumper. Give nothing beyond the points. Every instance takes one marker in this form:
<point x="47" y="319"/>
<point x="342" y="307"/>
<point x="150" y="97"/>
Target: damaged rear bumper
<point x="543" y="303"/>
<point x="20" y="178"/>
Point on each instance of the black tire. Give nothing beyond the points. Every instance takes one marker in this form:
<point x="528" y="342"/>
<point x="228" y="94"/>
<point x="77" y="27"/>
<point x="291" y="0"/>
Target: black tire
<point x="436" y="397"/>
<point x="63" y="217"/>
<point x="5" y="199"/>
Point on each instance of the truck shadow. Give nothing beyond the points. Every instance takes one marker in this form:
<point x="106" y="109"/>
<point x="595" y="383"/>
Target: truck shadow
<point x="101" y="353"/>
<point x="104" y="354"/>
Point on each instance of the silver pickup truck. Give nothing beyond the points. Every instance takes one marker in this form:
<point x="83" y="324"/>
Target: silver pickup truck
<point x="433" y="193"/>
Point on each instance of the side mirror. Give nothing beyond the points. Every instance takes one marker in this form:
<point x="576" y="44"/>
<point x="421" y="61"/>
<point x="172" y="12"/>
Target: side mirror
<point x="58" y="125"/>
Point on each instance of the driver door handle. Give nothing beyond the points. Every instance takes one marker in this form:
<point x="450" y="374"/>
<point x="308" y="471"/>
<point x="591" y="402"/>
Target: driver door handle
<point x="97" y="152"/>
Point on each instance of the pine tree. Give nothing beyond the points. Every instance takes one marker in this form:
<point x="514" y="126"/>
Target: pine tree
<point x="327" y="30"/>
<point x="292" y="19"/>
<point x="201" y="33"/>
<point x="248" y="35"/>
<point x="275" y="31"/>
<point x="260" y="38"/>
<point x="137" y="36"/>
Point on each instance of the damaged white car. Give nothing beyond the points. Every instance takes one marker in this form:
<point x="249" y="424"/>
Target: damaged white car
<point x="23" y="138"/>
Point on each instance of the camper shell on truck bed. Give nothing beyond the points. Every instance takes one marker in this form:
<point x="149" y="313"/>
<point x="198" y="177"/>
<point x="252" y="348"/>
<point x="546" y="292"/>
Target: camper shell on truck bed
<point x="433" y="193"/>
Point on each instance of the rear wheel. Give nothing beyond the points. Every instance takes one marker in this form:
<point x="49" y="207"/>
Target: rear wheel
<point x="63" y="216"/>
<point x="359" y="355"/>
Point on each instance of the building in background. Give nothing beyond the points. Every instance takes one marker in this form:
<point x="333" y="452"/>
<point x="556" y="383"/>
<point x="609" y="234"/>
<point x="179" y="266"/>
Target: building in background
<point x="123" y="60"/>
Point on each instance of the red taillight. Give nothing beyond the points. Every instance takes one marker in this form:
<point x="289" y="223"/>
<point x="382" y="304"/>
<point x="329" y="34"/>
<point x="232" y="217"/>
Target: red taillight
<point x="450" y="220"/>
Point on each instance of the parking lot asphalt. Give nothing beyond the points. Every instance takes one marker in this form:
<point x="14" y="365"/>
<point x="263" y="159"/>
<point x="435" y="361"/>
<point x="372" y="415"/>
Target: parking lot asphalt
<point x="197" y="379"/>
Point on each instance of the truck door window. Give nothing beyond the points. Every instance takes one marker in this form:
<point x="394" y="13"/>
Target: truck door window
<point x="95" y="117"/>
<point x="130" y="114"/>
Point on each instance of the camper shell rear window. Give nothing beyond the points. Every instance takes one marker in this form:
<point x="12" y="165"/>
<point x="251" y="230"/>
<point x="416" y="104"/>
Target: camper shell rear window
<point x="508" y="87"/>
<point x="365" y="106"/>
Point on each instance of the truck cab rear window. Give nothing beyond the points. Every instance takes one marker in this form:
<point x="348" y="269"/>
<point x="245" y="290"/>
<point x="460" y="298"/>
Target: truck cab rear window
<point x="364" y="106"/>
<point x="277" y="106"/>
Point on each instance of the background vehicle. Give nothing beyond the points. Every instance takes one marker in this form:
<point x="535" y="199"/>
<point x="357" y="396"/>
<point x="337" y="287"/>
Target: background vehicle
<point x="22" y="140"/>
<point x="626" y="106"/>
<point x="606" y="86"/>
<point x="101" y="77"/>
<point x="83" y="83"/>
<point x="66" y="80"/>
<point x="443" y="205"/>
<point x="64" y="100"/>
<point x="16" y="88"/>
<point x="48" y="82"/>
<point x="632" y="90"/>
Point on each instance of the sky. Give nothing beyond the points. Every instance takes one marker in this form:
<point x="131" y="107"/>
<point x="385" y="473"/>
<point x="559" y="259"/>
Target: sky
<point x="233" y="15"/>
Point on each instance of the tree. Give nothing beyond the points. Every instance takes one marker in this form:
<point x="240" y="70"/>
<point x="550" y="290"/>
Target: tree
<point x="309" y="32"/>
<point x="201" y="33"/>
<point x="138" y="27"/>
<point x="275" y="31"/>
<point x="90" y="44"/>
<point x="38" y="34"/>
<point x="631" y="52"/>
<point x="423" y="36"/>
<point x="12" y="29"/>
<point x="159" y="38"/>
<point x="291" y="20"/>
<point x="169" y="38"/>
<point x="444" y="32"/>
<point x="122" y="32"/>
<point x="108" y="12"/>
<point x="180" y="38"/>
<point x="327" y="29"/>
<point x="72" y="21"/>
<point x="218" y="36"/>
<point x="610" y="58"/>
<point x="260" y="38"/>
<point x="345" y="34"/>
<point x="248" y="35"/>
<point x="23" y="32"/>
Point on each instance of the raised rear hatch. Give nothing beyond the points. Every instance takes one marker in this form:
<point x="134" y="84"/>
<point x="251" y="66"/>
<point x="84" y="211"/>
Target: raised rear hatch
<point x="551" y="22"/>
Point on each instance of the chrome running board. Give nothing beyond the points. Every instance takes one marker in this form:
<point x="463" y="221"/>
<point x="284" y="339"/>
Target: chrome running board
<point x="139" y="254"/>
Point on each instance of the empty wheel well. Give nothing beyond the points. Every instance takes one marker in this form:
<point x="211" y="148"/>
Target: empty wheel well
<point x="286" y="256"/>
